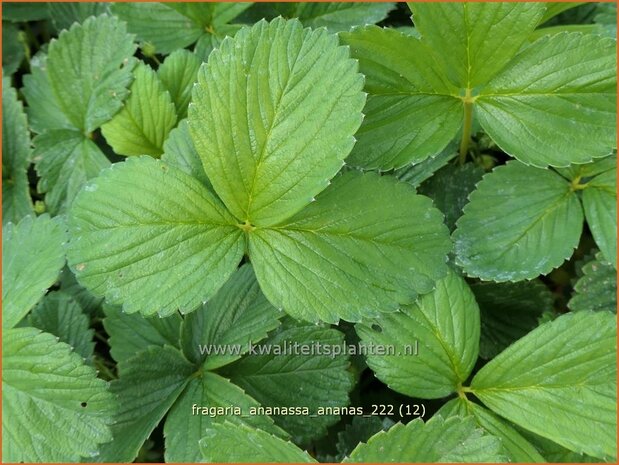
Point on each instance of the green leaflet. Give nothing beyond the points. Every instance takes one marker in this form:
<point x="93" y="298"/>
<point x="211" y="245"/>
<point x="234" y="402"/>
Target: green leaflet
<point x="443" y="325"/>
<point x="256" y="132"/>
<point x="238" y="315"/>
<point x="596" y="289"/>
<point x="227" y="442"/>
<point x="64" y="14"/>
<point x="65" y="160"/>
<point x="515" y="446"/>
<point x="147" y="117"/>
<point x="600" y="203"/>
<point x="12" y="49"/>
<point x="16" y="201"/>
<point x="48" y="392"/>
<point x="417" y="173"/>
<point x="178" y="73"/>
<point x="90" y="304"/>
<point x="88" y="70"/>
<point x="33" y="253"/>
<point x="438" y="440"/>
<point x="554" y="453"/>
<point x="520" y="222"/>
<point x="335" y="16"/>
<point x="59" y="314"/>
<point x="358" y="255"/>
<point x="182" y="235"/>
<point x="564" y="370"/>
<point x="275" y="375"/>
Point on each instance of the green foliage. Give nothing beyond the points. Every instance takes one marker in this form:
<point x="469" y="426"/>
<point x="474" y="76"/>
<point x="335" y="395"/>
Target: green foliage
<point x="596" y="288"/>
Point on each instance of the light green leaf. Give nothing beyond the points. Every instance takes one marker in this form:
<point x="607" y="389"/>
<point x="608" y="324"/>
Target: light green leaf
<point x="131" y="334"/>
<point x="184" y="429"/>
<point x="271" y="143"/>
<point x="12" y="49"/>
<point x="474" y="40"/>
<point x="32" y="256"/>
<point x="412" y="111"/>
<point x="596" y="289"/>
<point x="443" y="330"/>
<point x="230" y="443"/>
<point x="358" y="254"/>
<point x="276" y="375"/>
<point x="565" y="370"/>
<point x="237" y="316"/>
<point x="148" y="386"/>
<point x="563" y="84"/>
<point x="60" y="315"/>
<point x="65" y="160"/>
<point x="338" y="16"/>
<point x="178" y="73"/>
<point x="520" y="222"/>
<point x="145" y="121"/>
<point x="179" y="151"/>
<point x="47" y="392"/>
<point x="508" y="312"/>
<point x="64" y="14"/>
<point x="515" y="447"/>
<point x="89" y="72"/>
<point x="600" y="202"/>
<point x="142" y="223"/>
<point x="438" y="440"/>
<point x="16" y="154"/>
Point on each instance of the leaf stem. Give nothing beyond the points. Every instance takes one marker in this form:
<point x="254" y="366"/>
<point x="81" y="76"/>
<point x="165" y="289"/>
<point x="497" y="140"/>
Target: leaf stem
<point x="467" y="126"/>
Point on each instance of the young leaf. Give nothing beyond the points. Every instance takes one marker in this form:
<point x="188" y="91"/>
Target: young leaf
<point x="444" y="324"/>
<point x="54" y="409"/>
<point x="256" y="134"/>
<point x="357" y="254"/>
<point x="127" y="241"/>
<point x="565" y="370"/>
<point x="238" y="315"/>
<point x="336" y="16"/>
<point x="88" y="70"/>
<point x="596" y="289"/>
<point x="60" y="315"/>
<point x="65" y="160"/>
<point x="438" y="440"/>
<point x="64" y="14"/>
<point x="520" y="222"/>
<point x="275" y="375"/>
<point x="16" y="201"/>
<point x="600" y="202"/>
<point x="33" y="253"/>
<point x="178" y="73"/>
<point x="143" y="124"/>
<point x="230" y="443"/>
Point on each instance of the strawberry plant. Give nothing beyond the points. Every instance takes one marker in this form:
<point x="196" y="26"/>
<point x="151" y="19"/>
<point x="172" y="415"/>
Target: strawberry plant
<point x="309" y="232"/>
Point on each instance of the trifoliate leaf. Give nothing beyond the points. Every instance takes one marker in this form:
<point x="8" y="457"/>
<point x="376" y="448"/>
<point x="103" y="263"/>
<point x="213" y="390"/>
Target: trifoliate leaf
<point x="276" y="375"/>
<point x="237" y="316"/>
<point x="596" y="289"/>
<point x="54" y="409"/>
<point x="227" y="442"/>
<point x="473" y="41"/>
<point x="178" y="73"/>
<point x="32" y="256"/>
<point x="269" y="136"/>
<point x="179" y="151"/>
<point x="131" y="334"/>
<point x="147" y="117"/>
<point x="65" y="160"/>
<point x="412" y="111"/>
<point x="508" y="312"/>
<point x="60" y="315"/>
<point x="600" y="202"/>
<point x="336" y="16"/>
<point x="417" y="173"/>
<point x="515" y="446"/>
<point x="88" y="70"/>
<point x="64" y="14"/>
<point x="148" y="386"/>
<point x="438" y="440"/>
<point x="563" y="84"/>
<point x="443" y="328"/>
<point x="12" y="49"/>
<point x="358" y="254"/>
<point x="520" y="222"/>
<point x="141" y="223"/>
<point x="184" y="428"/>
<point x="565" y="370"/>
<point x="16" y="154"/>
